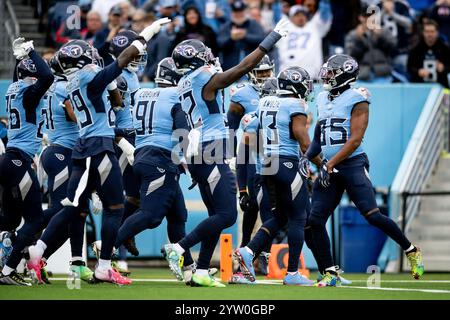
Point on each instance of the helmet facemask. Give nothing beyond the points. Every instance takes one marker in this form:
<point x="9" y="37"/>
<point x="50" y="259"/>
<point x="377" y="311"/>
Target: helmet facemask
<point x="138" y="63"/>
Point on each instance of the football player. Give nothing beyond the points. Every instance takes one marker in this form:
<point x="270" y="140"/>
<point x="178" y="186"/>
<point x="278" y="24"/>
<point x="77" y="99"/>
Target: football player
<point x="343" y="116"/>
<point x="21" y="189"/>
<point x="95" y="166"/>
<point x="282" y="119"/>
<point x="208" y="142"/>
<point x="244" y="97"/>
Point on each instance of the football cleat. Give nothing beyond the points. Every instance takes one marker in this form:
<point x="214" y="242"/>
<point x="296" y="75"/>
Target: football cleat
<point x="110" y="275"/>
<point x="342" y="280"/>
<point x="190" y="269"/>
<point x="45" y="276"/>
<point x="263" y="260"/>
<point x="297" y="280"/>
<point x="79" y="269"/>
<point x="120" y="268"/>
<point x="130" y="245"/>
<point x="245" y="260"/>
<point x="328" y="280"/>
<point x="13" y="279"/>
<point x="206" y="281"/>
<point x="239" y="278"/>
<point x="34" y="265"/>
<point x="416" y="263"/>
<point x="174" y="259"/>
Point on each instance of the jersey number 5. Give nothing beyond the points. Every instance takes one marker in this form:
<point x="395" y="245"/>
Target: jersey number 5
<point x="14" y="115"/>
<point x="335" y="126"/>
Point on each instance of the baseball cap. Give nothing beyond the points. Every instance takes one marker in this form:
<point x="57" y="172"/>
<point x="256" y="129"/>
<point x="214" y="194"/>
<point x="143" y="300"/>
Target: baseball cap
<point x="298" y="9"/>
<point x="116" y="10"/>
<point x="167" y="3"/>
<point x="238" y="5"/>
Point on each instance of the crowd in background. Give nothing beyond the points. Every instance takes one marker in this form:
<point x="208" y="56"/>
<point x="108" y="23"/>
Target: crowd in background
<point x="392" y="40"/>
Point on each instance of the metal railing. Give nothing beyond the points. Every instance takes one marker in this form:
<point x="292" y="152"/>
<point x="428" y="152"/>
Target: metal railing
<point x="9" y="30"/>
<point x="419" y="161"/>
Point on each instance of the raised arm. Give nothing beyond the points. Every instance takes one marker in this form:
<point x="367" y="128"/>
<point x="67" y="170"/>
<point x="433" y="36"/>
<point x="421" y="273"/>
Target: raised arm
<point x="34" y="93"/>
<point x="224" y="79"/>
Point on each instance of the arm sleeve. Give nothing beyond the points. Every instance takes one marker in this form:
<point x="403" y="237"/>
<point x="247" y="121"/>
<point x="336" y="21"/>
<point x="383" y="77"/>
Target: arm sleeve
<point x="34" y="93"/>
<point x="104" y="77"/>
<point x="179" y="117"/>
<point x="15" y="71"/>
<point x="314" y="148"/>
<point x="242" y="159"/>
<point x="233" y="120"/>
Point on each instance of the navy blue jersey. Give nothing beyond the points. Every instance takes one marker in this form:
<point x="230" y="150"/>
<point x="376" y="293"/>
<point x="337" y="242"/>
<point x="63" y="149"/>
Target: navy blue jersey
<point x="208" y="117"/>
<point x="124" y="118"/>
<point x="61" y="129"/>
<point x="275" y="115"/>
<point x="334" y="119"/>
<point x="23" y="122"/>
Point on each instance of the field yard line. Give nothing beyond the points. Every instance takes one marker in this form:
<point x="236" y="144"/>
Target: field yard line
<point x="398" y="289"/>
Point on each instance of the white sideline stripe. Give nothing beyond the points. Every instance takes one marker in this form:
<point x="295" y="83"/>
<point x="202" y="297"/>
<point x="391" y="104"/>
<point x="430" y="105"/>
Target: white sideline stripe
<point x="408" y="281"/>
<point x="399" y="289"/>
<point x="279" y="282"/>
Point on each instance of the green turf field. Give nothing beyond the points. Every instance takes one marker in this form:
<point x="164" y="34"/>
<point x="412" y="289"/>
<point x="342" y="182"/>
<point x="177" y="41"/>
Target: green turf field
<point x="158" y="284"/>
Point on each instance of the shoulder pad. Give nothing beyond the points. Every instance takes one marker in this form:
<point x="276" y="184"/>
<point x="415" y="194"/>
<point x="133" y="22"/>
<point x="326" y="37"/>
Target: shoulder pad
<point x="248" y="118"/>
<point x="364" y="92"/>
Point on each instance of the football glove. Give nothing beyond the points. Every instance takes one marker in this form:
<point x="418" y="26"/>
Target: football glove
<point x="21" y="49"/>
<point x="97" y="206"/>
<point x="244" y="201"/>
<point x="154" y="28"/>
<point x="303" y="167"/>
<point x="282" y="27"/>
<point x="324" y="176"/>
<point x="128" y="149"/>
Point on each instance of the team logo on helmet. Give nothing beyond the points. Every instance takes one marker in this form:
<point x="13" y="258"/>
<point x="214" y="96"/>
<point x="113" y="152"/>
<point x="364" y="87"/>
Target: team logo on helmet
<point x="74" y="51"/>
<point x="350" y="65"/>
<point x="187" y="51"/>
<point x="29" y="65"/>
<point x="120" y="41"/>
<point x="295" y="76"/>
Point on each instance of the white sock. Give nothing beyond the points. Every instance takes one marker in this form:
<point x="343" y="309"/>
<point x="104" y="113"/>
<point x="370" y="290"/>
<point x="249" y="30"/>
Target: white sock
<point x="104" y="264"/>
<point x="411" y="247"/>
<point x="249" y="250"/>
<point x="40" y="248"/>
<point x="292" y="273"/>
<point x="201" y="272"/>
<point x="7" y="270"/>
<point x="178" y="249"/>
<point x="333" y="269"/>
<point x="77" y="259"/>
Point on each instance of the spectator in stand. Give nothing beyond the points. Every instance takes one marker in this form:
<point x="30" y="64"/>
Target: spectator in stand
<point x="285" y="7"/>
<point x="94" y="25"/>
<point x="429" y="61"/>
<point x="160" y="46"/>
<point x="194" y="28"/>
<point x="254" y="12"/>
<point x="239" y="37"/>
<point x="214" y="13"/>
<point x="395" y="18"/>
<point x="270" y="14"/>
<point x="66" y="33"/>
<point x="372" y="46"/>
<point x="114" y="22"/>
<point x="440" y="13"/>
<point x="345" y="19"/>
<point x="140" y="20"/>
<point x="127" y="12"/>
<point x="103" y="7"/>
<point x="303" y="45"/>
